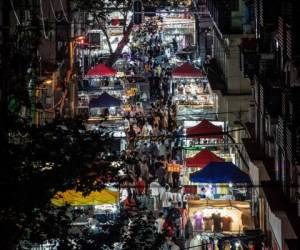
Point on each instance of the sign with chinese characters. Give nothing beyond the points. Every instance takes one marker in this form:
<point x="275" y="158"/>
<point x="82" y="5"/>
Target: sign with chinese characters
<point x="173" y="167"/>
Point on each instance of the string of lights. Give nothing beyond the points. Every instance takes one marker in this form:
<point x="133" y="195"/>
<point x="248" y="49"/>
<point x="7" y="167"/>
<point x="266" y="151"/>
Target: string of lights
<point x="172" y="136"/>
<point x="63" y="10"/>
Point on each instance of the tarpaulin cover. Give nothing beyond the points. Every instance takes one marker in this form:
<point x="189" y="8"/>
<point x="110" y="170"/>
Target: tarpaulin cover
<point x="202" y="158"/>
<point x="187" y="70"/>
<point x="104" y="101"/>
<point x="74" y="198"/>
<point x="220" y="172"/>
<point x="101" y="70"/>
<point x="205" y="129"/>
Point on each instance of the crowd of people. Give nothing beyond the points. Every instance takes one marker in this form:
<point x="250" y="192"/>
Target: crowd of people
<point x="151" y="146"/>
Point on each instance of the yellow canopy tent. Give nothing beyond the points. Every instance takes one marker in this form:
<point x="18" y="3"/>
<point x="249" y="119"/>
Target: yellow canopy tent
<point x="74" y="198"/>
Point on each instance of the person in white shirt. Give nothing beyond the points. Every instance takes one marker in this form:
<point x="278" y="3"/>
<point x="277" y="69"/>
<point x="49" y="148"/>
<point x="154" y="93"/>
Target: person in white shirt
<point x="167" y="199"/>
<point x="168" y="52"/>
<point x="155" y="189"/>
<point x="208" y="192"/>
<point x="159" y="222"/>
<point x="124" y="194"/>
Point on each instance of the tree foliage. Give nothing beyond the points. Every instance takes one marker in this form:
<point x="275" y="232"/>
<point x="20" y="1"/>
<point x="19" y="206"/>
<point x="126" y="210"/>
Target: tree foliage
<point x="100" y="10"/>
<point x="41" y="161"/>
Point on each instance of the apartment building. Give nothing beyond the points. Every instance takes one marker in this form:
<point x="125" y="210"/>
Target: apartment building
<point x="271" y="61"/>
<point x="232" y="21"/>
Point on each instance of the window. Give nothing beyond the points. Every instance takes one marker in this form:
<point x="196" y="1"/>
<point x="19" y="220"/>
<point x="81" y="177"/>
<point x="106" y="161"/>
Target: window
<point x="234" y="5"/>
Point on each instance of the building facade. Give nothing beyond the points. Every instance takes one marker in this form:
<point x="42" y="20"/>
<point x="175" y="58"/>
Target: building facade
<point x="271" y="61"/>
<point x="35" y="35"/>
<point x="254" y="71"/>
<point x="232" y="21"/>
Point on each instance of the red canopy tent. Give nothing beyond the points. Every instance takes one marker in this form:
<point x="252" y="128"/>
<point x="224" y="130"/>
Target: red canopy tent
<point x="202" y="158"/>
<point x="101" y="70"/>
<point x="187" y="70"/>
<point x="205" y="129"/>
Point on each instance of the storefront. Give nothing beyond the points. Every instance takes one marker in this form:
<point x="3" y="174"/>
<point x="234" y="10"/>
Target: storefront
<point x="182" y="28"/>
<point x="220" y="215"/>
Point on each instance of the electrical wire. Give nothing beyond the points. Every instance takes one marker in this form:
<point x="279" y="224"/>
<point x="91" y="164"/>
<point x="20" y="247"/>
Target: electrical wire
<point x="15" y="13"/>
<point x="198" y="115"/>
<point x="63" y="10"/>
<point x="53" y="12"/>
<point x="168" y="136"/>
<point x="43" y="21"/>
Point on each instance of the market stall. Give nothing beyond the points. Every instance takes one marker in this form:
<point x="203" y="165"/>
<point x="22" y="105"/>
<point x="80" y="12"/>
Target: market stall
<point x="220" y="172"/>
<point x="222" y="180"/>
<point x="201" y="159"/>
<point x="220" y="216"/>
<point x="98" y="80"/>
<point x="180" y="27"/>
<point x="203" y="143"/>
<point x="218" y="208"/>
<point x="102" y="76"/>
<point x="105" y="106"/>
<point x="192" y="92"/>
<point x="204" y="134"/>
<point x="197" y="162"/>
<point x="75" y="198"/>
<point x="94" y="209"/>
<point x="205" y="130"/>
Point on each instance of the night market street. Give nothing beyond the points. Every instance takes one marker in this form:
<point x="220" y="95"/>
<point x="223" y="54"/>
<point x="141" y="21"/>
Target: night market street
<point x="150" y="125"/>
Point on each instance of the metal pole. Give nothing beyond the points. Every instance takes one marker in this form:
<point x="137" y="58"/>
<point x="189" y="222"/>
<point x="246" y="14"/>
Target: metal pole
<point x="82" y="58"/>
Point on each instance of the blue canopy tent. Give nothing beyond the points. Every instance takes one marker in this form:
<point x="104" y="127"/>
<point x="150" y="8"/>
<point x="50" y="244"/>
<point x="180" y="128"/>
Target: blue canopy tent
<point x="220" y="172"/>
<point x="105" y="101"/>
